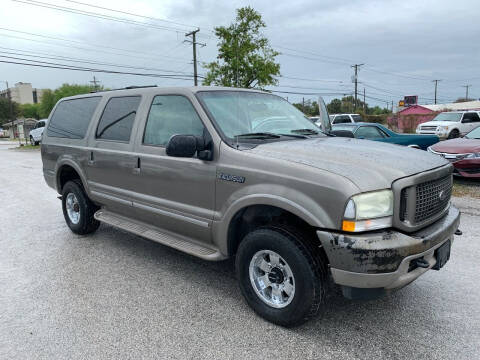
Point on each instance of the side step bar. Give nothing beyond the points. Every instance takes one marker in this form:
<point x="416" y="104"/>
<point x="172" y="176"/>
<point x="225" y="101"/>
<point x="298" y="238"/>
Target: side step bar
<point x="160" y="236"/>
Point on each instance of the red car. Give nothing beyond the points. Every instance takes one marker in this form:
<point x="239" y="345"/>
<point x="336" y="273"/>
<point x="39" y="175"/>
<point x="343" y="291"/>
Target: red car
<point x="463" y="153"/>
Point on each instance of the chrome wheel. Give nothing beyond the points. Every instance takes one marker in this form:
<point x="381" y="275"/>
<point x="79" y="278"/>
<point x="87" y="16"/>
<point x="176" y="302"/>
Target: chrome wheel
<point x="73" y="208"/>
<point x="272" y="279"/>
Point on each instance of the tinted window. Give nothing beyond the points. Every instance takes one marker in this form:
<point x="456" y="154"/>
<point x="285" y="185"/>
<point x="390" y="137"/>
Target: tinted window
<point x="171" y="115"/>
<point x="368" y="132"/>
<point x="357" y="118"/>
<point x="71" y="117"/>
<point x="470" y="117"/>
<point x="342" y="119"/>
<point x="117" y="119"/>
<point x="41" y="124"/>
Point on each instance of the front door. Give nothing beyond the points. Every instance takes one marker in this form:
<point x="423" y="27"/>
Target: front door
<point x="173" y="193"/>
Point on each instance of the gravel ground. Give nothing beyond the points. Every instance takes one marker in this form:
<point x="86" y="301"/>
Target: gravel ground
<point x="114" y="295"/>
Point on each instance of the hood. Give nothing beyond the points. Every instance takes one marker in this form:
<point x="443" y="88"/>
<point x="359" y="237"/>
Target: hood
<point x="458" y="146"/>
<point x="371" y="165"/>
<point x="440" y="123"/>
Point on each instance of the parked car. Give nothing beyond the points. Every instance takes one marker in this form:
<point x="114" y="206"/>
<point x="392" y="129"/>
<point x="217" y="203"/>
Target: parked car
<point x="463" y="153"/>
<point x="222" y="172"/>
<point x="450" y="125"/>
<point x="377" y="132"/>
<point x="37" y="131"/>
<point x="345" y="118"/>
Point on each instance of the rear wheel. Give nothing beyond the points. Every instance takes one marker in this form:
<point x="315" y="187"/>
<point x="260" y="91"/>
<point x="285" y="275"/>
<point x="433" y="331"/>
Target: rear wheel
<point x="280" y="276"/>
<point x="454" y="134"/>
<point x="78" y="209"/>
<point x="32" y="142"/>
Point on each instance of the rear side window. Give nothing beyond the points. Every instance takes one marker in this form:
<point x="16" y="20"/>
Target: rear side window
<point x="171" y="115"/>
<point x="72" y="117"/>
<point x="342" y="119"/>
<point x="117" y="119"/>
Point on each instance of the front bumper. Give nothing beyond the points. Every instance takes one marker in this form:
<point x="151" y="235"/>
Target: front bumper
<point x="382" y="259"/>
<point x="467" y="168"/>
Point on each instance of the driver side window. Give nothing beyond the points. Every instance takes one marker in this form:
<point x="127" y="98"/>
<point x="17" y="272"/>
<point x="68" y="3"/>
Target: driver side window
<point x="470" y="117"/>
<point x="171" y="115"/>
<point x="368" y="132"/>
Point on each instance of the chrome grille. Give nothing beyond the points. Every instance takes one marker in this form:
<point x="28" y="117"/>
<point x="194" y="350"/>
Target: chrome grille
<point x="431" y="198"/>
<point x="430" y="128"/>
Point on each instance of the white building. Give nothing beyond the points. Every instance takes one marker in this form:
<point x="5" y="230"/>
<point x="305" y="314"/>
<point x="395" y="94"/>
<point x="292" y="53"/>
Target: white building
<point x="23" y="93"/>
<point x="468" y="105"/>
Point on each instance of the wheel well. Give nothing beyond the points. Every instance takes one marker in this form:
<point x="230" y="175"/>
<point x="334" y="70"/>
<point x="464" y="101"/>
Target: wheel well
<point x="66" y="173"/>
<point x="251" y="217"/>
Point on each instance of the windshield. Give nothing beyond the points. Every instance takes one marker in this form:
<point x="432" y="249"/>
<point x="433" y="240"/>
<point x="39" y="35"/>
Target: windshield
<point x="474" y="134"/>
<point x="448" y="116"/>
<point x="241" y="113"/>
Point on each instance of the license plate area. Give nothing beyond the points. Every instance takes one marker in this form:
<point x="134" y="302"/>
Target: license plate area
<point x="442" y="254"/>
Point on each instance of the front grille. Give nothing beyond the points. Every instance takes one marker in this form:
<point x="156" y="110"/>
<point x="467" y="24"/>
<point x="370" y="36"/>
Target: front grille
<point x="429" y="128"/>
<point x="432" y="197"/>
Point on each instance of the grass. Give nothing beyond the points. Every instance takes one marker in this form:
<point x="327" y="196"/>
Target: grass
<point x="27" y="147"/>
<point x="466" y="188"/>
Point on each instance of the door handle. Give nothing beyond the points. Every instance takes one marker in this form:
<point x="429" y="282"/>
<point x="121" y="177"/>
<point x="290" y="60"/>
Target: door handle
<point x="136" y="170"/>
<point x="91" y="161"/>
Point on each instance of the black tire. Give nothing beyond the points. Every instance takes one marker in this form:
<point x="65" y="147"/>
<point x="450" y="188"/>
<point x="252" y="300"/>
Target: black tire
<point x="32" y="142"/>
<point x="453" y="134"/>
<point x="87" y="223"/>
<point x="308" y="267"/>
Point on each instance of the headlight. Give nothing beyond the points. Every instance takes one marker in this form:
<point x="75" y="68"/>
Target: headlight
<point x="369" y="211"/>
<point x="442" y="128"/>
<point x="473" y="156"/>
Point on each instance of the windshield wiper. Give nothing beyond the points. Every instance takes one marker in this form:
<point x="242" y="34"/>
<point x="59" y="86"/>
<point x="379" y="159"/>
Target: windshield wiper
<point x="305" y="131"/>
<point x="258" y="135"/>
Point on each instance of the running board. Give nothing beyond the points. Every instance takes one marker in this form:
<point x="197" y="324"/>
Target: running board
<point x="162" y="237"/>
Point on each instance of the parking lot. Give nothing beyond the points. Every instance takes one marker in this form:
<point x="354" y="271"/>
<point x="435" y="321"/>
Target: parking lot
<point x="115" y="295"/>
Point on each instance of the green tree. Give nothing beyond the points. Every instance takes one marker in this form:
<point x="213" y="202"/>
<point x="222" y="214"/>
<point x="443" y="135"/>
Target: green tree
<point x="309" y="107"/>
<point x="47" y="102"/>
<point x="245" y="58"/>
<point x="5" y="110"/>
<point x="335" y="106"/>
<point x="30" y="111"/>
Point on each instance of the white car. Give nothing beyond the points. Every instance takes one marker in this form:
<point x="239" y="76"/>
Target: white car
<point x="37" y="131"/>
<point x="345" y="118"/>
<point x="452" y="124"/>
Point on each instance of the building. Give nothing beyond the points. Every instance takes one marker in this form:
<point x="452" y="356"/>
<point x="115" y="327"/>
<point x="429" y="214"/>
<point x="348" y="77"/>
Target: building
<point x="23" y="93"/>
<point x="14" y="129"/>
<point x="408" y="118"/>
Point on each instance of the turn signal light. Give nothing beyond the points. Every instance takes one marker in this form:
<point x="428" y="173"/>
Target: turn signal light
<point x="348" y="225"/>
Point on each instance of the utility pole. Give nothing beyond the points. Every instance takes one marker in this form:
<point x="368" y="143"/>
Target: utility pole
<point x="364" y="104"/>
<point x="10" y="103"/>
<point x="94" y="82"/>
<point x="466" y="91"/>
<point x="356" y="66"/>
<point x="194" y="43"/>
<point x="392" y="106"/>
<point x="303" y="105"/>
<point x="436" y="83"/>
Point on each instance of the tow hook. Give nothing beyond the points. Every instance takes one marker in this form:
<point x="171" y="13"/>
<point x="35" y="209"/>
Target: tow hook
<point x="458" y="232"/>
<point x="421" y="262"/>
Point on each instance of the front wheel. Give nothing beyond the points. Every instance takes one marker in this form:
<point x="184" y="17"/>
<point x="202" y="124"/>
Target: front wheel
<point x="281" y="278"/>
<point x="453" y="134"/>
<point x="78" y="209"/>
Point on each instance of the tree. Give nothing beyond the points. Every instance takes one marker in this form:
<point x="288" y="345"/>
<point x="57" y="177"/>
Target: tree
<point x="309" y="107"/>
<point x="47" y="102"/>
<point x="30" y="111"/>
<point x="335" y="106"/>
<point x="461" y="99"/>
<point x="5" y="110"/>
<point x="245" y="58"/>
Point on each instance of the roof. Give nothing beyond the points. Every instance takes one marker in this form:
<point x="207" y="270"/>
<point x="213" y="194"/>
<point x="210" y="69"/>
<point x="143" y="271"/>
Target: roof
<point x="468" y="105"/>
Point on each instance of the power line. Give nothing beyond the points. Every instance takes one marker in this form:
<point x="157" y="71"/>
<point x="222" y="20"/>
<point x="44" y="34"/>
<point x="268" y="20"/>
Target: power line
<point x="97" y="15"/>
<point x="194" y="46"/>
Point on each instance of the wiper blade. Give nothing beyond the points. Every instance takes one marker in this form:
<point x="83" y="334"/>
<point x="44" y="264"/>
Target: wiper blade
<point x="258" y="135"/>
<point x="305" y="131"/>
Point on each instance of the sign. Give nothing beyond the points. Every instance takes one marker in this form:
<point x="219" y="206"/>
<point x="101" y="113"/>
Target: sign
<point x="401" y="103"/>
<point x="410" y="100"/>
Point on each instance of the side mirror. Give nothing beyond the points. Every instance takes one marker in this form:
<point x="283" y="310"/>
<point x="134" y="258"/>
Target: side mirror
<point x="187" y="146"/>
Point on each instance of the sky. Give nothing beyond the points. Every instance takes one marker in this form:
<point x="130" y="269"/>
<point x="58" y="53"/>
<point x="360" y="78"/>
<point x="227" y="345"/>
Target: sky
<point x="404" y="45"/>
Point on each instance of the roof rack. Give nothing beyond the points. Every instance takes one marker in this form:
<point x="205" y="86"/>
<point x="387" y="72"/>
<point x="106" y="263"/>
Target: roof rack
<point x="125" y="88"/>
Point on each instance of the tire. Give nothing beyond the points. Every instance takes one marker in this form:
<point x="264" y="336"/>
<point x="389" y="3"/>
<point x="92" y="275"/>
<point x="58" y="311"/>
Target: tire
<point x="82" y="206"/>
<point x="308" y="269"/>
<point x="32" y="142"/>
<point x="453" y="134"/>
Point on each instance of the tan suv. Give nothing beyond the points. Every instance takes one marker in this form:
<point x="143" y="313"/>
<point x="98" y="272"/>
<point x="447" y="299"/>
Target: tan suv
<point x="221" y="172"/>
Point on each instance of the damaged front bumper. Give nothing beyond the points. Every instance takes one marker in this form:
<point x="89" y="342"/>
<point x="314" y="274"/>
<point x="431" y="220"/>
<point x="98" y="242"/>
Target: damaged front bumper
<point x="384" y="260"/>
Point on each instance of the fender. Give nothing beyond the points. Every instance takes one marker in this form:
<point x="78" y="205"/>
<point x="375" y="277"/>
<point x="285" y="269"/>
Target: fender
<point x="68" y="160"/>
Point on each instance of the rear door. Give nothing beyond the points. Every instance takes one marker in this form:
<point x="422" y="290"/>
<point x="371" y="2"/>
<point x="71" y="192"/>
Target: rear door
<point x="173" y="193"/>
<point x="470" y="121"/>
<point x="111" y="165"/>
